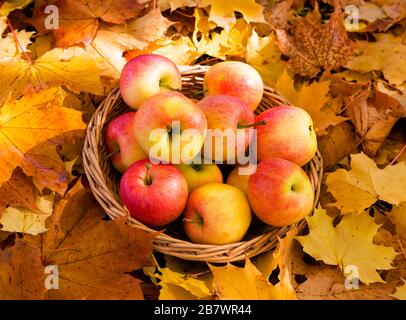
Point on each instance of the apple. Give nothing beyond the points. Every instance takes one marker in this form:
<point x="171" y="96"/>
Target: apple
<point x="154" y="194"/>
<point x="170" y="127"/>
<point x="216" y="213"/>
<point x="230" y="115"/>
<point x="288" y="134"/>
<point x="147" y="75"/>
<point x="197" y="175"/>
<point x="121" y="144"/>
<point x="239" y="178"/>
<point x="280" y="193"/>
<point x="237" y="79"/>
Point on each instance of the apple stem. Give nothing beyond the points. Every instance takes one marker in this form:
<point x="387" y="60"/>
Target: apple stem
<point x="255" y="124"/>
<point x="167" y="87"/>
<point x="148" y="179"/>
<point x="198" y="93"/>
<point x="199" y="221"/>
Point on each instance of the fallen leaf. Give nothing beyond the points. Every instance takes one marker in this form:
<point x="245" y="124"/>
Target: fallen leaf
<point x="72" y="68"/>
<point x="30" y="121"/>
<point x="386" y="55"/>
<point x="175" y="4"/>
<point x="400" y="293"/>
<point x="79" y="19"/>
<point x="349" y="244"/>
<point x="311" y="98"/>
<point x="10" y="5"/>
<point x="359" y="188"/>
<point x="28" y="220"/>
<point x="222" y="11"/>
<point x="21" y="272"/>
<point x="9" y="47"/>
<point x="18" y="191"/>
<point x="248" y="283"/>
<point x="277" y="13"/>
<point x="181" y="51"/>
<point x="93" y="256"/>
<point x="315" y="46"/>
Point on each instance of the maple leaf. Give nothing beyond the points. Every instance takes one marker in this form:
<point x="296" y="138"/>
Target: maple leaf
<point x="31" y="221"/>
<point x="9" y="47"/>
<point x="359" y="188"/>
<point x="398" y="218"/>
<point x="400" y="293"/>
<point x="18" y="191"/>
<point x="21" y="272"/>
<point x="348" y="244"/>
<point x="386" y="55"/>
<point x="112" y="41"/>
<point x="315" y="46"/>
<point x="175" y="4"/>
<point x="311" y="98"/>
<point x="30" y="121"/>
<point x="94" y="256"/>
<point x="79" y="19"/>
<point x="222" y="11"/>
<point x="11" y="5"/>
<point x="54" y="68"/>
<point x="263" y="54"/>
<point x="248" y="283"/>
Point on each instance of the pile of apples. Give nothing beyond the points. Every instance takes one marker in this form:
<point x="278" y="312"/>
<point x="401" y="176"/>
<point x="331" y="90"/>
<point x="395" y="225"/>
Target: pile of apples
<point x="279" y="192"/>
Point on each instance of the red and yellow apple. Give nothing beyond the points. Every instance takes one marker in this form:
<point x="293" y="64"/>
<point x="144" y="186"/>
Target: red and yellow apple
<point x="288" y="134"/>
<point x="280" y="193"/>
<point x="121" y="144"/>
<point x="238" y="178"/>
<point x="227" y="116"/>
<point x="170" y="127"/>
<point x="197" y="175"/>
<point x="216" y="213"/>
<point x="147" y="75"/>
<point x="237" y="79"/>
<point x="155" y="195"/>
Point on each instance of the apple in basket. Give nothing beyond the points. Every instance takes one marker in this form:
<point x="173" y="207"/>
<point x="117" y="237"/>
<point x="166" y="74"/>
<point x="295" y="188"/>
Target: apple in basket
<point x="121" y="144"/>
<point x="170" y="127"/>
<point x="197" y="175"/>
<point x="217" y="213"/>
<point x="280" y="193"/>
<point x="238" y="178"/>
<point x="147" y="75"/>
<point x="226" y="115"/>
<point x="288" y="133"/>
<point x="154" y="194"/>
<point x="237" y="79"/>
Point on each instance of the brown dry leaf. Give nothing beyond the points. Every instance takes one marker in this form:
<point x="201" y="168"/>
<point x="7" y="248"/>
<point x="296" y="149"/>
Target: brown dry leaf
<point x="93" y="255"/>
<point x="79" y="19"/>
<point x="311" y="98"/>
<point x="30" y="121"/>
<point x="18" y="191"/>
<point x="315" y="46"/>
<point x="21" y="272"/>
<point x="277" y="13"/>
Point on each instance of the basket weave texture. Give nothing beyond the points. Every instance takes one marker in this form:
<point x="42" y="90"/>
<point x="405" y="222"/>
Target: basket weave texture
<point x="104" y="181"/>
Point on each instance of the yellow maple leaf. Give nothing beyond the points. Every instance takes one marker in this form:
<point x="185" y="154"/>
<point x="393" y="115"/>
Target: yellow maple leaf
<point x="248" y="283"/>
<point x="30" y="121"/>
<point x="9" y="47"/>
<point x="311" y="98"/>
<point x="400" y="293"/>
<point x="386" y="54"/>
<point x="10" y="5"/>
<point x="263" y="54"/>
<point x="28" y="220"/>
<point x="181" y="51"/>
<point x="349" y="244"/>
<point x="359" y="188"/>
<point x="73" y="68"/>
<point x="398" y="218"/>
<point x="175" y="4"/>
<point x="222" y="11"/>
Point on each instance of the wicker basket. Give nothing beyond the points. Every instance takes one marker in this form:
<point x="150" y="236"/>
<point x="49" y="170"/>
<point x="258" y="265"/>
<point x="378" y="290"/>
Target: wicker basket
<point x="104" y="181"/>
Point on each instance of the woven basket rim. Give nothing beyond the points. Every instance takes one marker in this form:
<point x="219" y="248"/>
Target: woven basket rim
<point x="102" y="187"/>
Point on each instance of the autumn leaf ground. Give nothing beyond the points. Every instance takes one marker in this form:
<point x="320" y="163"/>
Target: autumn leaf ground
<point x="349" y="76"/>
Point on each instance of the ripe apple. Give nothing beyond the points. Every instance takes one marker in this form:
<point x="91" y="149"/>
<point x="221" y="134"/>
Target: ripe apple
<point x="121" y="143"/>
<point x="237" y="79"/>
<point x="239" y="179"/>
<point x="216" y="213"/>
<point x="197" y="175"/>
<point x="155" y="195"/>
<point x="288" y="134"/>
<point x="228" y="114"/>
<point x="147" y="75"/>
<point x="280" y="193"/>
<point x="170" y="127"/>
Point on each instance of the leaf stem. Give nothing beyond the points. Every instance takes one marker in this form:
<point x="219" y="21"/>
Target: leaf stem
<point x="18" y="42"/>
